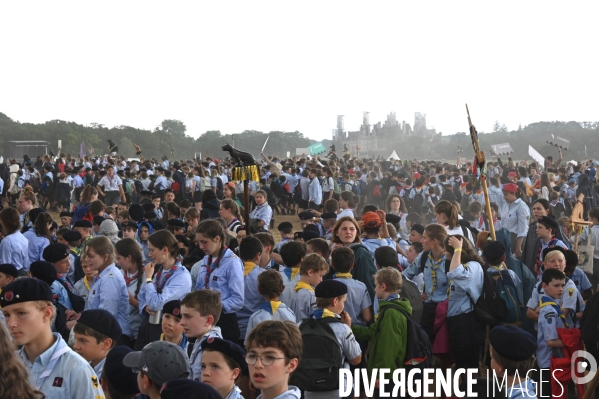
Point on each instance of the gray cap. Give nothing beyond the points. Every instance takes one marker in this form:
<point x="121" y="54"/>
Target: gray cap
<point x="161" y="361"/>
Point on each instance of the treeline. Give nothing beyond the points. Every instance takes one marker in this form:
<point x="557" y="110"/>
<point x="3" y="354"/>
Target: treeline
<point x="169" y="138"/>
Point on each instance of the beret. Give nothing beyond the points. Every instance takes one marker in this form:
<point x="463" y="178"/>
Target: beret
<point x="330" y="289"/>
<point x="311" y="231"/>
<point x="175" y="222"/>
<point x="189" y="389"/>
<point x="122" y="378"/>
<point x="555" y="248"/>
<point x="150" y="215"/>
<point x="393" y="219"/>
<point x="9" y="269"/>
<point x="306" y="215"/>
<point x="371" y="220"/>
<point x="512" y="343"/>
<point x="547" y="221"/>
<point x="136" y="212"/>
<point x="83" y="223"/>
<point x="173" y="308"/>
<point x="285" y="225"/>
<point x="34" y="213"/>
<point x="147" y="193"/>
<point x="228" y="348"/>
<point x="129" y="223"/>
<point x="571" y="258"/>
<point x="494" y="250"/>
<point x="148" y="206"/>
<point x="26" y="290"/>
<point x="329" y="215"/>
<point x="169" y="190"/>
<point x="182" y="239"/>
<point x="298" y="235"/>
<point x="417" y="227"/>
<point x="72" y="235"/>
<point x="99" y="219"/>
<point x="55" y="252"/>
<point x="66" y="214"/>
<point x="102" y="321"/>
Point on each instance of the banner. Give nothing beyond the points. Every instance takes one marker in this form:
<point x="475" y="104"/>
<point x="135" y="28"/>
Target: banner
<point x="559" y="142"/>
<point x="82" y="150"/>
<point x="316" y="149"/>
<point x="534" y="154"/>
<point x="501" y="149"/>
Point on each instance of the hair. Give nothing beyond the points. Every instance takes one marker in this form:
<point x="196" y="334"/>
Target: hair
<point x="266" y="239"/>
<point x="553" y="254"/>
<point x="96" y="207"/>
<point x="319" y="245"/>
<point x="349" y="197"/>
<point x="128" y="247"/>
<point x="342" y="259"/>
<point x="436" y="232"/>
<point x="206" y="302"/>
<point x="270" y="284"/>
<point x="262" y="193"/>
<point x="482" y="239"/>
<point x="173" y="208"/>
<point x="314" y="262"/>
<point x="547" y="226"/>
<point x="417" y="247"/>
<point x="391" y="277"/>
<point x="15" y="376"/>
<point x="41" y="225"/>
<point x="545" y="204"/>
<point x="102" y="246"/>
<point x="249" y="248"/>
<point x="331" y="205"/>
<point x="475" y="207"/>
<point x="402" y="205"/>
<point x="42" y="305"/>
<point x="28" y="195"/>
<point x="337" y="226"/>
<point x="282" y="335"/>
<point x="211" y="229"/>
<point x="386" y="256"/>
<point x="468" y="252"/>
<point x="322" y="303"/>
<point x="232" y="206"/>
<point x="512" y="366"/>
<point x="451" y="211"/>
<point x="192" y="213"/>
<point x="552" y="274"/>
<point x="594" y="213"/>
<point x="82" y="329"/>
<point x="285" y="230"/>
<point x="164" y="238"/>
<point x="11" y="220"/>
<point x="110" y="210"/>
<point x="293" y="252"/>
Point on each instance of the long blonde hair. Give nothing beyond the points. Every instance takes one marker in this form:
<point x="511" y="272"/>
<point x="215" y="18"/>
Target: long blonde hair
<point x="14" y="383"/>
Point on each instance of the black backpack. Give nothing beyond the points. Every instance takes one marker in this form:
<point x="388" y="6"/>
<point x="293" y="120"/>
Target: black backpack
<point x="419" y="354"/>
<point x="490" y="308"/>
<point x="77" y="302"/>
<point x="418" y="201"/>
<point x="589" y="325"/>
<point x="318" y="371"/>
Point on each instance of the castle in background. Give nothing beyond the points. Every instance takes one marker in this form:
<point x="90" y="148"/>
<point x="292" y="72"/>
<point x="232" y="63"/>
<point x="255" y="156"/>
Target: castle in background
<point x="370" y="138"/>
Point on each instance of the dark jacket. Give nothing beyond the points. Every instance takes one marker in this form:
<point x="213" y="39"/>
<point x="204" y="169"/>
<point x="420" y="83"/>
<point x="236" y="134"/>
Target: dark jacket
<point x="210" y="209"/>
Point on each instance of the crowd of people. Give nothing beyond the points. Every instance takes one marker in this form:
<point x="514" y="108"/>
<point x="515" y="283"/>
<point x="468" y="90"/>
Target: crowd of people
<point x="151" y="283"/>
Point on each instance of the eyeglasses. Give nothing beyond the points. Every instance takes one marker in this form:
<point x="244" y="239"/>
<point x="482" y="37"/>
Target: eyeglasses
<point x="267" y="360"/>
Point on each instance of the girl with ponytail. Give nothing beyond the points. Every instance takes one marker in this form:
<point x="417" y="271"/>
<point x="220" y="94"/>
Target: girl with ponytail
<point x="39" y="235"/>
<point x="221" y="270"/>
<point x="88" y="195"/>
<point x="129" y="258"/>
<point x="447" y="215"/>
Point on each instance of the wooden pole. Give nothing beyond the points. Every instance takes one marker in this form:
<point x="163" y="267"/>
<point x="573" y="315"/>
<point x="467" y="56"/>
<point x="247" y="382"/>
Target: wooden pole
<point x="246" y="200"/>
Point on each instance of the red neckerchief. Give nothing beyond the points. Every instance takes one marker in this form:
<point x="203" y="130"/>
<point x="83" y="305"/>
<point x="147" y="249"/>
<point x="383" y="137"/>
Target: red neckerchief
<point x="211" y="266"/>
<point x="160" y="284"/>
<point x="128" y="279"/>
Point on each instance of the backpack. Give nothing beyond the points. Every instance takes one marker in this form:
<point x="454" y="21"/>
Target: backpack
<point x="336" y="188"/>
<point x="529" y="191"/>
<point x="176" y="187"/>
<point x="418" y="200"/>
<point x="465" y="201"/>
<point x="361" y="186"/>
<point x="490" y="308"/>
<point x="128" y="186"/>
<point x="297" y="192"/>
<point x="34" y="182"/>
<point x="318" y="370"/>
<point x="77" y="302"/>
<point x="13" y="187"/>
<point x="418" y="347"/>
<point x="138" y="186"/>
<point x="507" y="291"/>
<point x="376" y="191"/>
<point x="589" y="325"/>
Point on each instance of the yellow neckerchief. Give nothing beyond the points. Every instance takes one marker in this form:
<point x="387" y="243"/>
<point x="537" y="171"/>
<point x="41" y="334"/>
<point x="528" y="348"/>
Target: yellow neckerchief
<point x="325" y="313"/>
<point x="294" y="272"/>
<point x="343" y="275"/>
<point x="300" y="284"/>
<point x="162" y="338"/>
<point x="555" y="306"/>
<point x="499" y="267"/>
<point x="434" y="267"/>
<point x="271" y="306"/>
<point x="247" y="268"/>
<point x="86" y="283"/>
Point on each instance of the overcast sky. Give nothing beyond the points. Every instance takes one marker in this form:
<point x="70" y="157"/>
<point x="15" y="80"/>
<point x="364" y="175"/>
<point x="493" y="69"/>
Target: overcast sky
<point x="281" y="65"/>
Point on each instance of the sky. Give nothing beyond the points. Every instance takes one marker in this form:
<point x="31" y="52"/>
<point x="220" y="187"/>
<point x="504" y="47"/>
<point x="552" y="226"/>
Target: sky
<point x="287" y="66"/>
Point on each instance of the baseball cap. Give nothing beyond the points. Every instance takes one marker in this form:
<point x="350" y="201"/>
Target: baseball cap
<point x="161" y="361"/>
<point x="371" y="220"/>
<point x="510" y="187"/>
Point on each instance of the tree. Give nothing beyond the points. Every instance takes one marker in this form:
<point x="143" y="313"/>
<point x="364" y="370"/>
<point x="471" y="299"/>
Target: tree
<point x="174" y="128"/>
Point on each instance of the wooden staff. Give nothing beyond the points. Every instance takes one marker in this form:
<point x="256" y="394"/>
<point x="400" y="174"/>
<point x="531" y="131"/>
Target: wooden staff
<point x="479" y="161"/>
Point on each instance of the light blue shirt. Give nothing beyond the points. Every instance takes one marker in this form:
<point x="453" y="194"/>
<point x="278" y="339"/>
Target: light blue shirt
<point x="524" y="390"/>
<point x="78" y="181"/>
<point x="283" y="313"/>
<point x="36" y="245"/>
<point x="303" y="304"/>
<point x="62" y="295"/>
<point x="374" y="243"/>
<point x="315" y="191"/>
<point x="110" y="184"/>
<point x="581" y="280"/>
<point x="160" y="183"/>
<point x="262" y="212"/>
<point x="69" y="375"/>
<point x="135" y="317"/>
<point x="195" y="360"/>
<point x="358" y="298"/>
<point x="227" y="279"/>
<point x="466" y="285"/>
<point x="1" y="185"/>
<point x="549" y="322"/>
<point x="252" y="299"/>
<point x="569" y="300"/>
<point x="109" y="292"/>
<point x="439" y="294"/>
<point x="305" y="188"/>
<point x="292" y="180"/>
<point x="99" y="367"/>
<point x="176" y="287"/>
<point x="14" y="249"/>
<point x="515" y="217"/>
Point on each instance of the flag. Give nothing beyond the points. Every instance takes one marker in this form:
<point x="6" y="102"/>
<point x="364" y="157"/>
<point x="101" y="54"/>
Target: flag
<point x="82" y="150"/>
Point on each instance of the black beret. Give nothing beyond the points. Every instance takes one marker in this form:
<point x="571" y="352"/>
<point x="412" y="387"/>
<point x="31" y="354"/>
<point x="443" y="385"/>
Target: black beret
<point x="189" y="389"/>
<point x="284" y="225"/>
<point x="181" y="238"/>
<point x="26" y="290"/>
<point x="228" y="348"/>
<point x="551" y="222"/>
<point x="329" y="215"/>
<point x="102" y="321"/>
<point x="55" y="252"/>
<point x="34" y="213"/>
<point x="554" y="248"/>
<point x="306" y="215"/>
<point x="99" y="219"/>
<point x="157" y="224"/>
<point x="147" y="193"/>
<point x="129" y="223"/>
<point x="494" y="251"/>
<point x="9" y="269"/>
<point x="148" y="206"/>
<point x="121" y="377"/>
<point x="417" y="228"/>
<point x="175" y="222"/>
<point x="66" y="214"/>
<point x="512" y="343"/>
<point x="330" y="289"/>
<point x="391" y="218"/>
<point x="136" y="212"/>
<point x="72" y="235"/>
<point x="298" y="234"/>
<point x="311" y="231"/>
<point x="150" y="215"/>
<point x="571" y="258"/>
<point x="169" y="190"/>
<point x="173" y="308"/>
<point x="83" y="223"/>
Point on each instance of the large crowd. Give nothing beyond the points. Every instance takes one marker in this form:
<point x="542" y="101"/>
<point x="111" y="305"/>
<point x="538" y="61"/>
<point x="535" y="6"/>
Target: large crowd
<point x="150" y="282"/>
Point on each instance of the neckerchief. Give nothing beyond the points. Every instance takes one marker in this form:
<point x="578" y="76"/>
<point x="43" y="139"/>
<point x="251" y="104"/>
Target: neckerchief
<point x="322" y="313"/>
<point x="247" y="268"/>
<point x="291" y="272"/>
<point x="232" y="223"/>
<point x="391" y="297"/>
<point x="130" y="278"/>
<point x="211" y="266"/>
<point x="499" y="267"/>
<point x="158" y="278"/>
<point x="548" y="301"/>
<point x="538" y="261"/>
<point x="434" y="266"/>
<point x="64" y="280"/>
<point x="86" y="283"/>
<point x="60" y="349"/>
<point x="343" y="275"/>
<point x="271" y="306"/>
<point x="300" y="284"/>
<point x="182" y="342"/>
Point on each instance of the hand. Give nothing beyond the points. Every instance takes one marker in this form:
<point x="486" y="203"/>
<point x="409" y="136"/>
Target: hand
<point x="518" y="252"/>
<point x="345" y="318"/>
<point x="71" y="315"/>
<point x="424" y="296"/>
<point x="382" y="215"/>
<point x="361" y="225"/>
<point x="455" y="242"/>
<point x="148" y="311"/>
<point x="70" y="324"/>
<point x="149" y="270"/>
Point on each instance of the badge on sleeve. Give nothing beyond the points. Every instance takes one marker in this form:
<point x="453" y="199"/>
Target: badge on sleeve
<point x="95" y="381"/>
<point x="570" y="292"/>
<point x="57" y="382"/>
